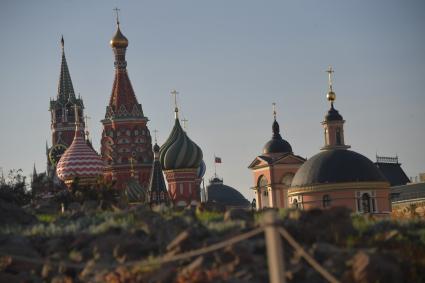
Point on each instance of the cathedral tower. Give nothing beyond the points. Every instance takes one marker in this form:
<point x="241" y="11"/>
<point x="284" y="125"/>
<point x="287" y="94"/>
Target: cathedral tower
<point x="63" y="117"/>
<point x="125" y="136"/>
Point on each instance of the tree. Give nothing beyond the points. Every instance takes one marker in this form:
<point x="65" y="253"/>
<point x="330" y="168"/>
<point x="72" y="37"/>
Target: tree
<point x="14" y="188"/>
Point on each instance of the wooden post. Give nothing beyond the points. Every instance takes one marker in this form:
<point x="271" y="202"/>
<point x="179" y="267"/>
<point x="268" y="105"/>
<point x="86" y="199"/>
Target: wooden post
<point x="275" y="257"/>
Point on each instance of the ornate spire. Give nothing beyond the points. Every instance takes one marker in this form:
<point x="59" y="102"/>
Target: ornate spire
<point x="123" y="102"/>
<point x="65" y="88"/>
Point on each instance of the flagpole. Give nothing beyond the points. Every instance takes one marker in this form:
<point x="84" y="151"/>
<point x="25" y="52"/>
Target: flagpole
<point x="215" y="167"/>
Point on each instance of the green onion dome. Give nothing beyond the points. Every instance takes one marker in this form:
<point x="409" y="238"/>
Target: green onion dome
<point x="179" y="151"/>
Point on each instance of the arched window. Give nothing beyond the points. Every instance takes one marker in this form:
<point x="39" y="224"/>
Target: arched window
<point x="366" y="203"/>
<point x="262" y="184"/>
<point x="326" y="201"/>
<point x="295" y="203"/>
<point x="338" y="137"/>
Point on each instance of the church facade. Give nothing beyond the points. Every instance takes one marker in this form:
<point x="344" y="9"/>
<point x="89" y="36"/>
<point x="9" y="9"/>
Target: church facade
<point x="336" y="176"/>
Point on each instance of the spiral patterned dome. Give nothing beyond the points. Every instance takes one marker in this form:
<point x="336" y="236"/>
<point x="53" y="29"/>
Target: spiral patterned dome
<point x="179" y="151"/>
<point x="81" y="161"/>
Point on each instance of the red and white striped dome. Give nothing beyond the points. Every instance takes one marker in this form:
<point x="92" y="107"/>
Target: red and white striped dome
<point x="81" y="161"/>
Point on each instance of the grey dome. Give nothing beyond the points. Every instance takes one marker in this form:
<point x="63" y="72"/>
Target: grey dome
<point x="337" y="166"/>
<point x="277" y="144"/>
<point x="225" y="195"/>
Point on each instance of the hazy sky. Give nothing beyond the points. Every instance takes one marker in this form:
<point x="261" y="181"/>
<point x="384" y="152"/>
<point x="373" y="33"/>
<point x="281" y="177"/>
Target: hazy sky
<point x="229" y="60"/>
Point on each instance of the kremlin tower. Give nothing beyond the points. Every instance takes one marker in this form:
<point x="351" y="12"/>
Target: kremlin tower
<point x="180" y="158"/>
<point x="126" y="140"/>
<point x="63" y="117"/>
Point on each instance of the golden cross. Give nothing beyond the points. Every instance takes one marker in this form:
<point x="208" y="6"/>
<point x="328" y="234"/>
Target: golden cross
<point x="116" y="15"/>
<point x="330" y="71"/>
<point x="274" y="110"/>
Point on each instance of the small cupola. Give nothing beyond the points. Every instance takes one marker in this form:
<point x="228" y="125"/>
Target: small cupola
<point x="277" y="144"/>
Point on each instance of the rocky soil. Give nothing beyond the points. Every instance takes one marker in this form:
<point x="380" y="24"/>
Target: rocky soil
<point x="88" y="245"/>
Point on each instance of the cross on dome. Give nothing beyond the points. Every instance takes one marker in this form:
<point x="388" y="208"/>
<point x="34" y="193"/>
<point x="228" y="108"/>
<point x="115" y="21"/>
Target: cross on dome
<point x="117" y="15"/>
<point x="176" y="109"/>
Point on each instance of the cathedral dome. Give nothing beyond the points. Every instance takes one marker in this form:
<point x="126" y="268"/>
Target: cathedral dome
<point x="179" y="151"/>
<point x="119" y="40"/>
<point x="225" y="195"/>
<point x="80" y="161"/>
<point x="336" y="166"/>
<point x="277" y="144"/>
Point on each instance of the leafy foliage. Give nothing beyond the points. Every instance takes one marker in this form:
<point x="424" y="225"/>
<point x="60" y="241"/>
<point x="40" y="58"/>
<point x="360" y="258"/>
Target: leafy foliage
<point x="14" y="188"/>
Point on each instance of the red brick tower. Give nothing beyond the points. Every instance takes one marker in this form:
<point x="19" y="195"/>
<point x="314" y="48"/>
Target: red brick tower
<point x="180" y="159"/>
<point x="125" y="135"/>
<point x="63" y="116"/>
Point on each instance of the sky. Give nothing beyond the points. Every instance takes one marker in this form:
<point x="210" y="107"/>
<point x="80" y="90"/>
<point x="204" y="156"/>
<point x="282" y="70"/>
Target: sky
<point x="229" y="60"/>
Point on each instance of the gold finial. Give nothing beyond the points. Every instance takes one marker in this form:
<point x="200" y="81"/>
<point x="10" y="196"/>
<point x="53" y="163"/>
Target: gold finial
<point x="119" y="40"/>
<point x="86" y="119"/>
<point x="184" y="120"/>
<point x="132" y="166"/>
<point x="117" y="15"/>
<point x="274" y="110"/>
<point x="176" y="109"/>
<point x="155" y="135"/>
<point x="331" y="94"/>
<point x="77" y="120"/>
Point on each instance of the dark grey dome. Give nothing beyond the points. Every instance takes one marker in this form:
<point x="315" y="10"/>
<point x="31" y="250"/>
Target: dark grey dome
<point x="337" y="166"/>
<point x="225" y="195"/>
<point x="333" y="114"/>
<point x="277" y="144"/>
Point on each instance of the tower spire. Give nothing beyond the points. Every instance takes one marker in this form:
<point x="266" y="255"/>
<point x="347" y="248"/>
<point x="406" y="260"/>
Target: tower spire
<point x="65" y="87"/>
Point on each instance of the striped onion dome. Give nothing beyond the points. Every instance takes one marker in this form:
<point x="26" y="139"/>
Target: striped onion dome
<point x="81" y="161"/>
<point x="179" y="151"/>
